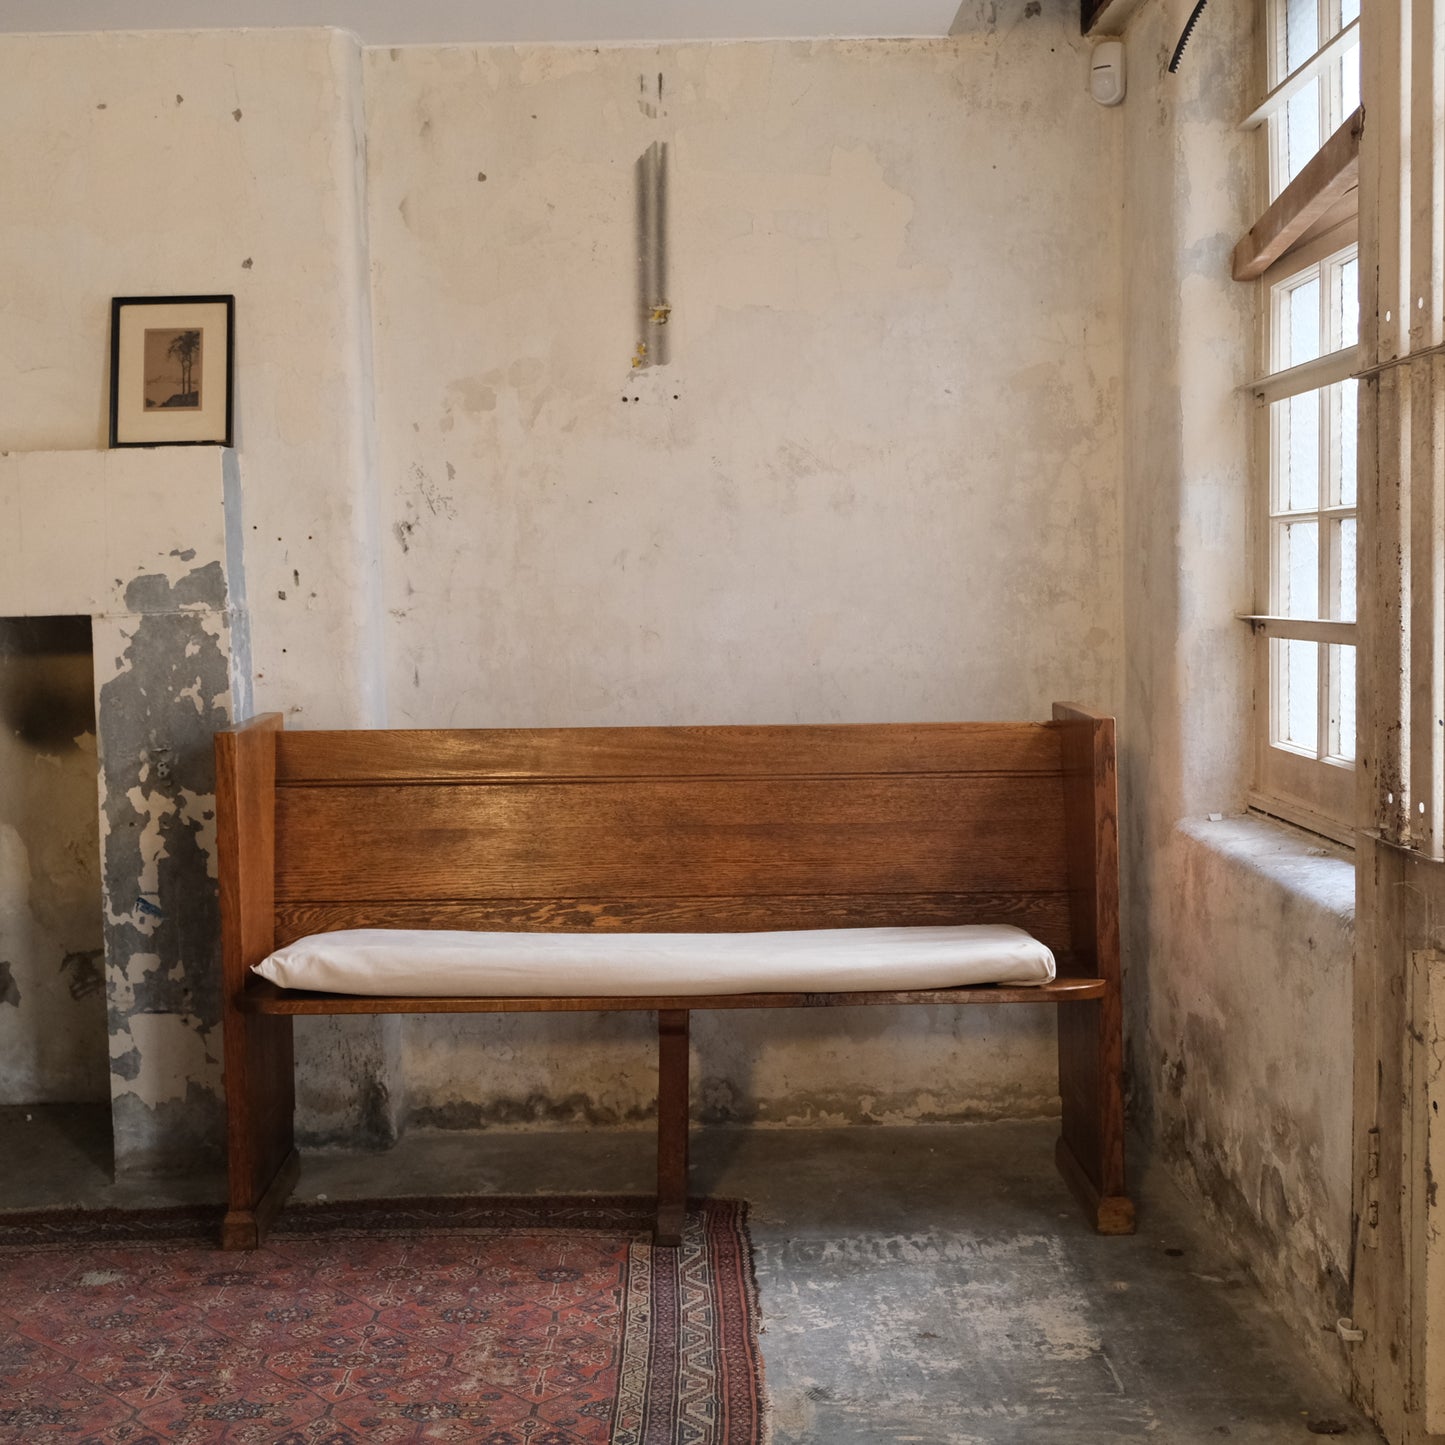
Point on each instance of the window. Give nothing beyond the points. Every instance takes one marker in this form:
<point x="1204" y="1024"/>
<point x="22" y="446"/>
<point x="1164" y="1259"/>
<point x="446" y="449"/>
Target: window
<point x="1305" y="517"/>
<point x="1315" y="80"/>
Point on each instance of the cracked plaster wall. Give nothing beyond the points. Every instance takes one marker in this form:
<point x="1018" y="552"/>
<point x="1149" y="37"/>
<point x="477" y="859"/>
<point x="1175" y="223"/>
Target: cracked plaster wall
<point x="176" y="163"/>
<point x="877" y="479"/>
<point x="1238" y="935"/>
<point x="138" y="542"/>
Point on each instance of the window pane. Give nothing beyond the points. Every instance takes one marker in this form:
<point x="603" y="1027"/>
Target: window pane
<point x="1301" y="128"/>
<point x="1350" y="80"/>
<point x="1347" y="443"/>
<point x="1301" y="32"/>
<point x="1343" y="602"/>
<point x="1297" y="672"/>
<point x="1299" y="417"/>
<point x="1342" y="703"/>
<point x="1349" y="10"/>
<point x="1299" y="569"/>
<point x="1345" y="303"/>
<point x="1301" y="321"/>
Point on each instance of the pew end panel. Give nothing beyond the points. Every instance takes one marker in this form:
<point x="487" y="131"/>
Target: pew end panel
<point x="1090" y="1151"/>
<point x="262" y="1162"/>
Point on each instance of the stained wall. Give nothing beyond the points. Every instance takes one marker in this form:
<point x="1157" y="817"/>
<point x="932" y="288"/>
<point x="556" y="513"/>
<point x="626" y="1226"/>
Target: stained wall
<point x="109" y="753"/>
<point x="52" y="980"/>
<point x="876" y="480"/>
<point x="1239" y="932"/>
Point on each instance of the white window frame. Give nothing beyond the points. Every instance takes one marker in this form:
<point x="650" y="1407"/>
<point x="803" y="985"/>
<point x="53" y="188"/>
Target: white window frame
<point x="1311" y="789"/>
<point x="1283" y="84"/>
<point x="1315" y="790"/>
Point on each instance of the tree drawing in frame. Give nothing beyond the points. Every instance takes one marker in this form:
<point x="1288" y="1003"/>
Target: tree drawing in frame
<point x="171" y="376"/>
<point x="173" y="360"/>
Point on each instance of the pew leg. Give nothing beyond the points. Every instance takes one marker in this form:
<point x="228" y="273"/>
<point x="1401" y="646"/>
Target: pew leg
<point x="1090" y="1151"/>
<point x="672" y="1119"/>
<point x="262" y="1163"/>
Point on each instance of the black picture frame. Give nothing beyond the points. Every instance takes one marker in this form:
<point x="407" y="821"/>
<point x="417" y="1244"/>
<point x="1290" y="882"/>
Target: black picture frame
<point x="200" y="412"/>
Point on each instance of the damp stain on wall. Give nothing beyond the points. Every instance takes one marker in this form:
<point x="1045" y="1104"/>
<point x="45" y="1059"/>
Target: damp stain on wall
<point x="52" y="1034"/>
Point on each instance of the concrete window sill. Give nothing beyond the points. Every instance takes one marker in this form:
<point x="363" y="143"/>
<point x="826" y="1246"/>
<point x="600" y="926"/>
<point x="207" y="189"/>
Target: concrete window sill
<point x="1308" y="868"/>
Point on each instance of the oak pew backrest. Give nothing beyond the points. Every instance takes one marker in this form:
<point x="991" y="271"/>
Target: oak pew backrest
<point x="673" y="829"/>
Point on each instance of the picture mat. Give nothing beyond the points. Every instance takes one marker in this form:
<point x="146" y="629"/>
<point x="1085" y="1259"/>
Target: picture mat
<point x="171" y="424"/>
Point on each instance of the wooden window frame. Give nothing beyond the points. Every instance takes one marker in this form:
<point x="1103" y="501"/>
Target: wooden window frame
<point x="1311" y="220"/>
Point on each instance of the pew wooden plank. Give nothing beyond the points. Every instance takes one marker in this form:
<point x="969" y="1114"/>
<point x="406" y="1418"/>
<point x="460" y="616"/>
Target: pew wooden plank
<point x="262" y="996"/>
<point x="795" y="750"/>
<point x="1043" y="914"/>
<point x="650" y="838"/>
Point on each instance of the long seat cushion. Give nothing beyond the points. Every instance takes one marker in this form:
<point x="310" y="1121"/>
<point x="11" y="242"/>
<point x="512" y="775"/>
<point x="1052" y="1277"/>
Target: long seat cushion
<point x="440" y="963"/>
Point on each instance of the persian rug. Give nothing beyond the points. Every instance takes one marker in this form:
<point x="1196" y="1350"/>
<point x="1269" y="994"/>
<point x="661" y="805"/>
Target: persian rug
<point x="495" y="1322"/>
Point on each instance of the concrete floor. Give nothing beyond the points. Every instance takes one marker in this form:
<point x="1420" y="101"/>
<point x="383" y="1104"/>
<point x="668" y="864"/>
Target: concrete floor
<point x="930" y="1285"/>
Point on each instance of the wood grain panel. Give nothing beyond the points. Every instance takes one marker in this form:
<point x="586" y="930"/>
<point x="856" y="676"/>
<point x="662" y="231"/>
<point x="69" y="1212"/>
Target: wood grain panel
<point x="258" y="1051"/>
<point x="658" y="829"/>
<point x="263" y="997"/>
<point x="799" y="750"/>
<point x="1327" y="178"/>
<point x="672" y="1120"/>
<point x="1045" y="915"/>
<point x="1091" y="1042"/>
<point x="665" y="839"/>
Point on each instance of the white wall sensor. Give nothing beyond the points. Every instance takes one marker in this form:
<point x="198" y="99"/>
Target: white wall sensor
<point x="1106" y="74"/>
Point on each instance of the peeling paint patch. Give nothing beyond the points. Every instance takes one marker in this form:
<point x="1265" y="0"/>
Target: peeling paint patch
<point x="181" y="1133"/>
<point x="9" y="989"/>
<point x="202" y="587"/>
<point x="174" y="1055"/>
<point x="157" y="718"/>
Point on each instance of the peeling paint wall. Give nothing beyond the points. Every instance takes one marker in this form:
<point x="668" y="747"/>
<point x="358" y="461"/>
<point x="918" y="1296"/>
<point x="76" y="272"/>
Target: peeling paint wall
<point x="143" y="556"/>
<point x="52" y="978"/>
<point x="159" y="708"/>
<point x="195" y="163"/>
<point x="1238" y="934"/>
<point x="876" y="478"/>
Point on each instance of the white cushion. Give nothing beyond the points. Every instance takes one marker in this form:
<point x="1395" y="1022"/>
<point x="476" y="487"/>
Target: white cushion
<point x="437" y="963"/>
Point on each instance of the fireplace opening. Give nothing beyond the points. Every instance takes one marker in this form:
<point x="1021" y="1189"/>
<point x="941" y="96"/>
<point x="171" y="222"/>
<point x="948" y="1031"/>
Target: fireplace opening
<point x="54" y="1053"/>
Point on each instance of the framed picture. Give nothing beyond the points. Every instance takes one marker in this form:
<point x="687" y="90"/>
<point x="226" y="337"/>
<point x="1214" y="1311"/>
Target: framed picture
<point x="170" y="370"/>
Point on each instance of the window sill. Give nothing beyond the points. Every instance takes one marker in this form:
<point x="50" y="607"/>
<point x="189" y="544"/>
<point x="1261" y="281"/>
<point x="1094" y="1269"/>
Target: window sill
<point x="1302" y="865"/>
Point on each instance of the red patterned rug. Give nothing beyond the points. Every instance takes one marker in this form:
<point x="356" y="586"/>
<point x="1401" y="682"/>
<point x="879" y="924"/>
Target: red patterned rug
<point x="495" y="1322"/>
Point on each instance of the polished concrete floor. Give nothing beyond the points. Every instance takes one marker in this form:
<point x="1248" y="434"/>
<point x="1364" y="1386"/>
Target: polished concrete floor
<point x="930" y="1285"/>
